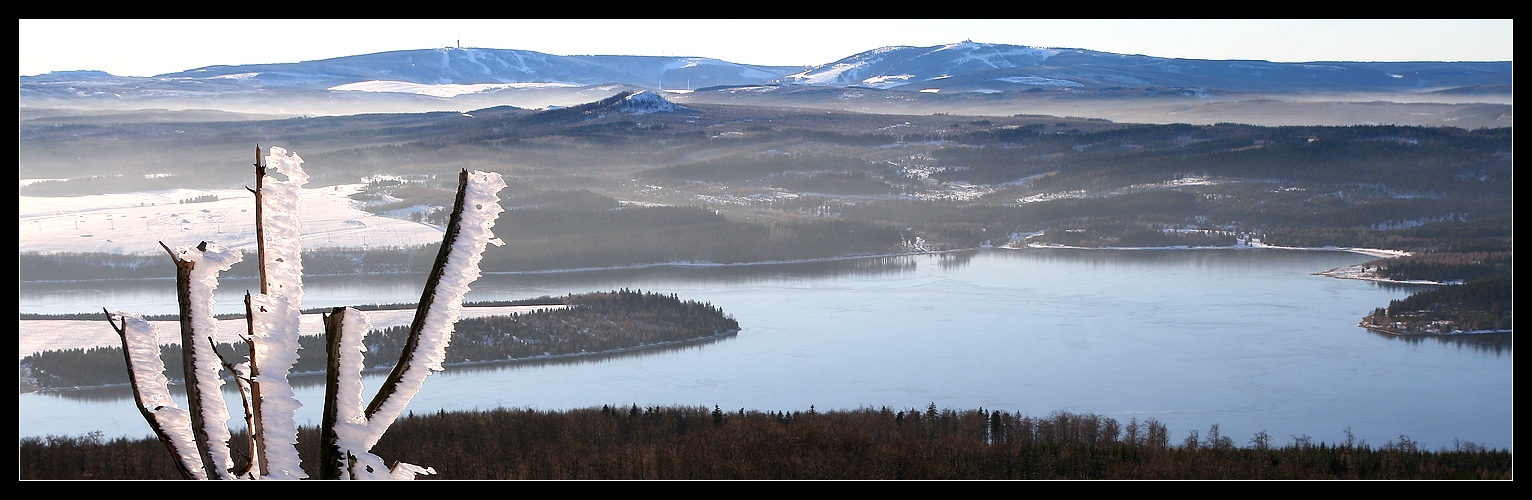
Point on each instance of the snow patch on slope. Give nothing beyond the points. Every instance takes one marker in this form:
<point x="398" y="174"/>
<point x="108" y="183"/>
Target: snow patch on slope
<point x="887" y="81"/>
<point x="828" y="75"/>
<point x="444" y="90"/>
<point x="1040" y="81"/>
<point x="645" y="102"/>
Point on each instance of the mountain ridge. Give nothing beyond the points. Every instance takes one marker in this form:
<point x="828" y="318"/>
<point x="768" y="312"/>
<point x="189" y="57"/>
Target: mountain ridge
<point x="884" y="67"/>
<point x="970" y="77"/>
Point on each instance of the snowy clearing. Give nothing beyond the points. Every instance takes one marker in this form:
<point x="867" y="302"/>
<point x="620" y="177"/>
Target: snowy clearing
<point x="136" y="223"/>
<point x="442" y="90"/>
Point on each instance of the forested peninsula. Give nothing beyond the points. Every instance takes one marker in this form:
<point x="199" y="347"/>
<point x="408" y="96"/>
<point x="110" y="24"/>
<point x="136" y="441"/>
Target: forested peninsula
<point x="592" y="324"/>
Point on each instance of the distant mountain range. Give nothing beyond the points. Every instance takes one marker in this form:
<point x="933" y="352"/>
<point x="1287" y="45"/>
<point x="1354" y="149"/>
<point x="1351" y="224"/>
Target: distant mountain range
<point x="980" y="67"/>
<point x="475" y="77"/>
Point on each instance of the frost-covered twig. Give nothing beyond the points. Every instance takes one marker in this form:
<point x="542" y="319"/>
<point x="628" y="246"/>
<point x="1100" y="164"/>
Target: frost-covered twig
<point x="345" y="435"/>
<point x="242" y="381"/>
<point x="151" y="392"/>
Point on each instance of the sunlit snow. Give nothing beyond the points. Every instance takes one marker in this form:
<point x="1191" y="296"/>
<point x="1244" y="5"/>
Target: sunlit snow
<point x="1040" y="81"/>
<point x="442" y="90"/>
<point x="887" y="81"/>
<point x="135" y="223"/>
<point x="237" y="76"/>
<point x="828" y="75"/>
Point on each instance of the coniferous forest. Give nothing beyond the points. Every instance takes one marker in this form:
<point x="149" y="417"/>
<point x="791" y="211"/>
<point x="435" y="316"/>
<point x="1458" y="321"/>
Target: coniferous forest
<point x="619" y="442"/>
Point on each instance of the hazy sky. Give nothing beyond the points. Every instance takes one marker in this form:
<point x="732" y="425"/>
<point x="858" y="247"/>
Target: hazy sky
<point x="144" y="47"/>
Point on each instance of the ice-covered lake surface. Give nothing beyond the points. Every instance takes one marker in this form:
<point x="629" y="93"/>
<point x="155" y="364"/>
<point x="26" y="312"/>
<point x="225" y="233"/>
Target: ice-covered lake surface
<point x="1246" y="339"/>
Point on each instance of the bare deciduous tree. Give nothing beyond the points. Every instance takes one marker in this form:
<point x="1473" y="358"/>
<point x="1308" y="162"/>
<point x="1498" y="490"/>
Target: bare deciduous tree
<point x="198" y="436"/>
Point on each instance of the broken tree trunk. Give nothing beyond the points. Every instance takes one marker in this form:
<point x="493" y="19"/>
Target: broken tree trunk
<point x="333" y="462"/>
<point x="202" y="366"/>
<point x="189" y="341"/>
<point x="274" y="314"/>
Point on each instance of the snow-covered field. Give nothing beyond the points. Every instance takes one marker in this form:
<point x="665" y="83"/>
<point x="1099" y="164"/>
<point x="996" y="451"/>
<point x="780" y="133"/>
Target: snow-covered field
<point x="136" y="223"/>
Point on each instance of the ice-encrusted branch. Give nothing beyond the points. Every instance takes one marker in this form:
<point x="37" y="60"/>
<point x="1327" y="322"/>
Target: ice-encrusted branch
<point x="241" y="372"/>
<point x="342" y="426"/>
<point x="197" y="269"/>
<point x="199" y="435"/>
<point x="346" y="440"/>
<point x="274" y="314"/>
<point x="151" y="392"/>
<point x="469" y="231"/>
<point x="350" y="431"/>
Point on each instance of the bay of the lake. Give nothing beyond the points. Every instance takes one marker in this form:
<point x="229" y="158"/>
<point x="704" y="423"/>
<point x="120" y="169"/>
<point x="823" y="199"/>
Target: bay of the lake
<point x="1248" y="339"/>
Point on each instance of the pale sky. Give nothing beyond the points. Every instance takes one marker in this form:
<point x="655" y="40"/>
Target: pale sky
<point x="146" y="47"/>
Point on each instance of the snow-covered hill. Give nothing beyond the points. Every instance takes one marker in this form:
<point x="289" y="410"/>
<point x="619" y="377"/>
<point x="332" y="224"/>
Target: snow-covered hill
<point x="983" y="67"/>
<point x="474" y="66"/>
<point x="456" y="74"/>
<point x="890" y="67"/>
<point x="645" y="102"/>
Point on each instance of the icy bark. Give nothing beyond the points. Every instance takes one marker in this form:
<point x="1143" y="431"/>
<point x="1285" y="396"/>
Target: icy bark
<point x="151" y="390"/>
<point x="353" y="436"/>
<point x="347" y="424"/>
<point x="274" y="315"/>
<point x="344" y="426"/>
<point x="197" y="269"/>
<point x="199" y="435"/>
<point x="349" y="429"/>
<point x="457" y="266"/>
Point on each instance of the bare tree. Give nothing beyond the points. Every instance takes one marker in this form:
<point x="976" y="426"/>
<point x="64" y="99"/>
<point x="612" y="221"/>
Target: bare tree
<point x="198" y="435"/>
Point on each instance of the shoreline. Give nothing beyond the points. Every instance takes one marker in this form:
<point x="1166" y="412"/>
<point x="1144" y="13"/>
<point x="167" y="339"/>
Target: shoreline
<point x="459" y="364"/>
<point x="1375" y="252"/>
<point x="1360" y="272"/>
<point x="577" y="269"/>
<point x="1397" y="332"/>
<point x="1351" y="272"/>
